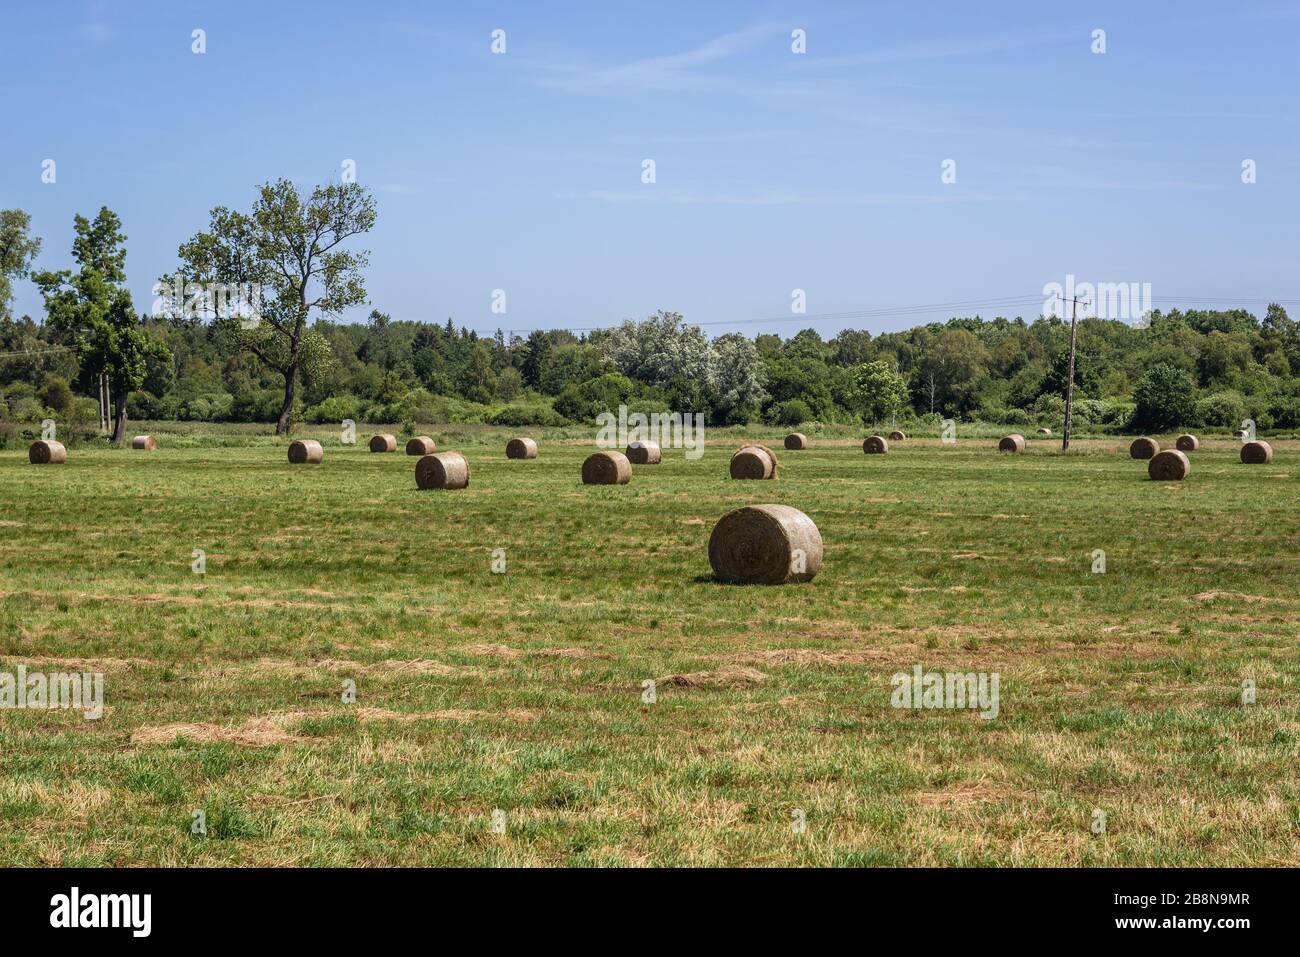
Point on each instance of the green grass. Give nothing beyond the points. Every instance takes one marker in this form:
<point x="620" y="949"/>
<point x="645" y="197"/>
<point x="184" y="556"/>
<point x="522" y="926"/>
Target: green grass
<point x="1119" y="691"/>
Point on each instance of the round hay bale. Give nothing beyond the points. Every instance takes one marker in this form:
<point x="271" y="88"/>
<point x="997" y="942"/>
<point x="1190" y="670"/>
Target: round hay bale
<point x="897" y="436"/>
<point x="875" y="445"/>
<point x="1257" y="453"/>
<point x="753" y="462"/>
<point x="765" y="545"/>
<point x="383" y="443"/>
<point x="1187" y="443"/>
<point x="305" y="452"/>
<point x="48" y="452"/>
<point x="606" y="468"/>
<point x="644" y="453"/>
<point x="442" y="470"/>
<point x="1239" y="434"/>
<point x="1015" y="442"/>
<point x="1168" y="466"/>
<point x="1044" y="431"/>
<point x="521" y="448"/>
<point x="796" y="440"/>
<point x="421" y="445"/>
<point x="146" y="443"/>
<point x="1143" y="448"/>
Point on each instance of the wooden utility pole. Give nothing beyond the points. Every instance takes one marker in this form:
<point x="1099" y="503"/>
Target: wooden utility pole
<point x="1069" y="375"/>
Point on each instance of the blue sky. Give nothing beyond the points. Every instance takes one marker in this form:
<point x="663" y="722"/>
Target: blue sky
<point x="775" y="171"/>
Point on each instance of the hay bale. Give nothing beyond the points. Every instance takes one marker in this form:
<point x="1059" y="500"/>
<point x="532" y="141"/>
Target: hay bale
<point x="1015" y="442"/>
<point x="898" y="435"/>
<point x="1143" y="448"/>
<point x="644" y="453"/>
<point x="606" y="468"/>
<point x="447" y="470"/>
<point x="1257" y="453"/>
<point x="1187" y="443"/>
<point x="796" y="440"/>
<point x="1239" y="434"/>
<point x="875" y="445"/>
<point x="421" y="445"/>
<point x="305" y="452"/>
<point x="521" y="448"/>
<point x="765" y="545"/>
<point x="47" y="453"/>
<point x="383" y="443"/>
<point x="1044" y="431"/>
<point x="1168" y="466"/>
<point x="145" y="443"/>
<point x="753" y="462"/>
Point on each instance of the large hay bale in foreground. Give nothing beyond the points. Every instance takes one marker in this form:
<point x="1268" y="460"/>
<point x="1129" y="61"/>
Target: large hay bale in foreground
<point x="875" y="445"/>
<point x="47" y="452"/>
<point x="1187" y="443"/>
<point x="796" y="440"/>
<point x="421" y="445"/>
<point x="1257" y="453"/>
<point x="765" y="545"/>
<point x="305" y="452"/>
<point x="145" y="443"/>
<point x="383" y="443"/>
<point x="447" y="470"/>
<point x="1143" y="448"/>
<point x="1169" y="466"/>
<point x="753" y="462"/>
<point x="898" y="435"/>
<point x="1015" y="442"/>
<point x="606" y="468"/>
<point x="644" y="453"/>
<point x="521" y="448"/>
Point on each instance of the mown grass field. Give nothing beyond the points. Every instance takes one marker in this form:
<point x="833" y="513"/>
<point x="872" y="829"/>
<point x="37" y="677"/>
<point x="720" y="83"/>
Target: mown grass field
<point x="1120" y="691"/>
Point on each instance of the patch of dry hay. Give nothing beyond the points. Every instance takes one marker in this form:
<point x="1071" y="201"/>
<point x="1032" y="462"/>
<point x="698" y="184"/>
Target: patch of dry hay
<point x="730" y="676"/>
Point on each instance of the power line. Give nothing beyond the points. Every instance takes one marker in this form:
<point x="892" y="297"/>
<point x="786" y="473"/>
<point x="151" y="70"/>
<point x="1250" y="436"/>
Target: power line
<point x="928" y="308"/>
<point x="34" y="352"/>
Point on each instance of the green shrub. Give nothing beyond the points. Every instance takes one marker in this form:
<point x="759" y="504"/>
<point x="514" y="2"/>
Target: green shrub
<point x="792" y="412"/>
<point x="260" y="405"/>
<point x="1285" y="411"/>
<point x="1049" y="408"/>
<point x="1223" y="410"/>
<point x="582" y="403"/>
<point x="209" y="407"/>
<point x="521" y="415"/>
<point x="334" y="409"/>
<point x="145" y="405"/>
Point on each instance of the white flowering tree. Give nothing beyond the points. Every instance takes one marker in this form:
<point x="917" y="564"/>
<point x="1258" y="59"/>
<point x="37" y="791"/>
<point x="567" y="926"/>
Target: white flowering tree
<point x="739" y="382"/>
<point x="660" y="349"/>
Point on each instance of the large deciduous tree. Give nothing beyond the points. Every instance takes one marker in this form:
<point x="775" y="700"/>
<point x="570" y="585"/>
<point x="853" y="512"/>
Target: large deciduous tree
<point x="288" y="250"/>
<point x="17" y="252"/>
<point x="94" y="305"/>
<point x="878" y="391"/>
<point x="1163" y="399"/>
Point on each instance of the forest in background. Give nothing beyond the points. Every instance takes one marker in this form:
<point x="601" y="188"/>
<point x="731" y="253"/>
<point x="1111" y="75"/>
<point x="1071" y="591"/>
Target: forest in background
<point x="1175" y="369"/>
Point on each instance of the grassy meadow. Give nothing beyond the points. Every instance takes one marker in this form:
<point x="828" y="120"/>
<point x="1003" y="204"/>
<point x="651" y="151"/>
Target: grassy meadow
<point x="1120" y="691"/>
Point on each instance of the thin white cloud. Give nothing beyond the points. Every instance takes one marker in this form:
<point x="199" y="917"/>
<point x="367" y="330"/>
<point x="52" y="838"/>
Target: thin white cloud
<point x="682" y="198"/>
<point x="96" y="26"/>
<point x="954" y="47"/>
<point x="677" y="71"/>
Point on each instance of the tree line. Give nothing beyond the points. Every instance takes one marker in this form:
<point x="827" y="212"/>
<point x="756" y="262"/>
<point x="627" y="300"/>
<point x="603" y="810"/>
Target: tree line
<point x="205" y="350"/>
